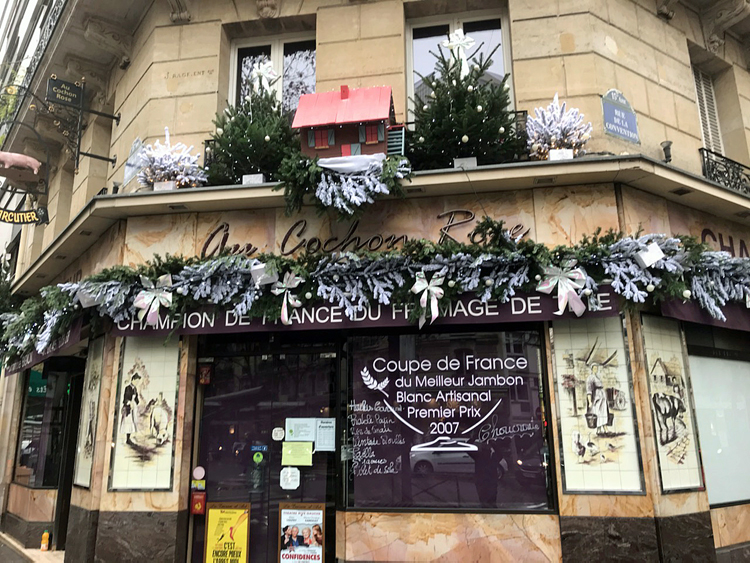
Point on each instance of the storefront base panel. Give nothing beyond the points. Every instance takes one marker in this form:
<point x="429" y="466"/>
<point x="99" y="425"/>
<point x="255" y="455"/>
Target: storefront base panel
<point x="28" y="534"/>
<point x="141" y="536"/>
<point x="480" y="538"/>
<point x="685" y="537"/>
<point x="607" y="539"/>
<point x="733" y="553"/>
<point x="80" y="544"/>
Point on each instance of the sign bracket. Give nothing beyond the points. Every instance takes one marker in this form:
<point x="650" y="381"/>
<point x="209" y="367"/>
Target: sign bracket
<point x="73" y="95"/>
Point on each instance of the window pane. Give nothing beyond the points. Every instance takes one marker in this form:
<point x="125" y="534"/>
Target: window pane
<point x="426" y="39"/>
<point x="299" y="72"/>
<point x="247" y="58"/>
<point x="41" y="433"/>
<point x="721" y="389"/>
<point x="487" y="35"/>
<point x="447" y="421"/>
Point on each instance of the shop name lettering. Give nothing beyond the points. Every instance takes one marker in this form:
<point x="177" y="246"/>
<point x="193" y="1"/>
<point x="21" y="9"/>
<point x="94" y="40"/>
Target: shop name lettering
<point x="325" y="314"/>
<point x="295" y="239"/>
<point x="725" y="243"/>
<point x="444" y="383"/>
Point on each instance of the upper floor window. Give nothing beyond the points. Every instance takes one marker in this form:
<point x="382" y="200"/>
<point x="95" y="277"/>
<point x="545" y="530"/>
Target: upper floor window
<point x="293" y="59"/>
<point x="426" y="35"/>
<point x="707" y="109"/>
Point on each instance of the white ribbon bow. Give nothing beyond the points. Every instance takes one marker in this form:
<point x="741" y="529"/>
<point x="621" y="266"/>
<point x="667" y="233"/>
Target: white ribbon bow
<point x="568" y="280"/>
<point x="151" y="297"/>
<point x="458" y="43"/>
<point x="431" y="290"/>
<point x="291" y="281"/>
<point x="262" y="75"/>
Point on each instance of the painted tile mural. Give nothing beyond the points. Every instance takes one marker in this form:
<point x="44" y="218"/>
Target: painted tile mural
<point x="595" y="407"/>
<point x="669" y="391"/>
<point x="89" y="408"/>
<point x="144" y="430"/>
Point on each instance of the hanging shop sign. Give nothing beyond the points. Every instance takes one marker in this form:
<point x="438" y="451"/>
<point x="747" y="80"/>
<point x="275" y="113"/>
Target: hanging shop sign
<point x="64" y="93"/>
<point x="227" y="537"/>
<point x="37" y="216"/>
<point x="73" y="94"/>
<point x="469" y="310"/>
<point x="619" y="118"/>
<point x="301" y="532"/>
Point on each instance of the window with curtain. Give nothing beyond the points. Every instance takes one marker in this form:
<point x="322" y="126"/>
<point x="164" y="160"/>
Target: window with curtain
<point x="293" y="61"/>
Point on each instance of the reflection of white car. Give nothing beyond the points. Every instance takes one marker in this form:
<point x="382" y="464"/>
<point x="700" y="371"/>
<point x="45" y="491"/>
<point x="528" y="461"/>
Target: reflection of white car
<point x="446" y="455"/>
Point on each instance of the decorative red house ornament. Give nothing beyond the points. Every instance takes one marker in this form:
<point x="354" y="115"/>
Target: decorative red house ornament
<point x="348" y="122"/>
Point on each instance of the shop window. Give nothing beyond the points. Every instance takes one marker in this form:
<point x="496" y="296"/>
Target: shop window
<point x="708" y="111"/>
<point x="446" y="421"/>
<point x="720" y="375"/>
<point x="40" y="440"/>
<point x="487" y="30"/>
<point x="293" y="60"/>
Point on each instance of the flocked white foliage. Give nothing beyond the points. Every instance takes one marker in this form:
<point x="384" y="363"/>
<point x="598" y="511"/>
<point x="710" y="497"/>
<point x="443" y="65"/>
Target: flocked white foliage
<point x="167" y="163"/>
<point x="348" y="192"/>
<point x="556" y="128"/>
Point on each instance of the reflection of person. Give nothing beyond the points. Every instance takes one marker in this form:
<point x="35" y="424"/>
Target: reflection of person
<point x="129" y="415"/>
<point x="317" y="533"/>
<point x="597" y="400"/>
<point x="486" y="474"/>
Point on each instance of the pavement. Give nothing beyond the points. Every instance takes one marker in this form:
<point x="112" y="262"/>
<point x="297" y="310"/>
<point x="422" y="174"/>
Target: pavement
<point x="13" y="552"/>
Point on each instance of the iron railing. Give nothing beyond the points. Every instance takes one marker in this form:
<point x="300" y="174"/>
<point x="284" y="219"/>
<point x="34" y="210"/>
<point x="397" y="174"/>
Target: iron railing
<point x="725" y="171"/>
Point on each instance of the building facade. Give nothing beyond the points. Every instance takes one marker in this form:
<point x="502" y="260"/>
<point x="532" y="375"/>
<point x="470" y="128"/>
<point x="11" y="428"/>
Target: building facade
<point x="500" y="432"/>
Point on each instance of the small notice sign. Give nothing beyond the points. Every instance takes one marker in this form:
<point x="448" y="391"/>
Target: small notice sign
<point x="300" y="429"/>
<point x="325" y="435"/>
<point x="289" y="478"/>
<point x="64" y="93"/>
<point x="296" y="453"/>
<point x="619" y="117"/>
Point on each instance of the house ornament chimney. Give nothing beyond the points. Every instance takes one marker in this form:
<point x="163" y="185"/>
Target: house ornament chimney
<point x="344" y="92"/>
<point x="268" y="8"/>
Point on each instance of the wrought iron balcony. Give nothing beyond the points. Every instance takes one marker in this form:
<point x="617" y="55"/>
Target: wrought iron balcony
<point x="725" y="171"/>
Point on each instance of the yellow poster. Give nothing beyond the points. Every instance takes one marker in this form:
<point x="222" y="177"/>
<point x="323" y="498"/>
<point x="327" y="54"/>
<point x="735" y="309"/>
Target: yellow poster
<point x="227" y="539"/>
<point x="296" y="453"/>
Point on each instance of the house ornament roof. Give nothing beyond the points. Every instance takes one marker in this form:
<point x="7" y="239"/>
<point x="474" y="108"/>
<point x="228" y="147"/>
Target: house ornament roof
<point x="357" y="105"/>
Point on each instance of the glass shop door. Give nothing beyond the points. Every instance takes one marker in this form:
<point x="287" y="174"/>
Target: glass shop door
<point x="255" y="387"/>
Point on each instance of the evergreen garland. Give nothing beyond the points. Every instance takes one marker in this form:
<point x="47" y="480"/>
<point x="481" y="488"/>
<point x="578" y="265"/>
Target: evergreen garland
<point x="496" y="267"/>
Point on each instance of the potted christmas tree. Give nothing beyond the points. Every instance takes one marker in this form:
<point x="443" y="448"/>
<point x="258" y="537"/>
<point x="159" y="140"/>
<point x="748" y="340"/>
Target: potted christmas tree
<point x="253" y="137"/>
<point x="557" y="133"/>
<point x="466" y="114"/>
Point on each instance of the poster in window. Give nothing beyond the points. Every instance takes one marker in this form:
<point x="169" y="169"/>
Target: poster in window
<point x="301" y="532"/>
<point x="669" y="394"/>
<point x="144" y="419"/>
<point x="597" y="425"/>
<point x="448" y="420"/>
<point x="92" y="380"/>
<point x="227" y="532"/>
